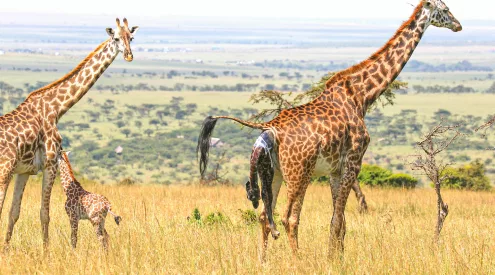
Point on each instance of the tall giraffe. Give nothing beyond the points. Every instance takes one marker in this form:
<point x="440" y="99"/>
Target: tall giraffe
<point x="328" y="135"/>
<point x="83" y="205"/>
<point x="29" y="138"/>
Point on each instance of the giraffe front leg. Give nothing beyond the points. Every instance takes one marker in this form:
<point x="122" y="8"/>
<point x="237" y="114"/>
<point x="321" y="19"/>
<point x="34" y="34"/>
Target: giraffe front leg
<point x="53" y="145"/>
<point x="7" y="165"/>
<point x="49" y="174"/>
<point x="74" y="227"/>
<point x="15" y="209"/>
<point x="338" y="223"/>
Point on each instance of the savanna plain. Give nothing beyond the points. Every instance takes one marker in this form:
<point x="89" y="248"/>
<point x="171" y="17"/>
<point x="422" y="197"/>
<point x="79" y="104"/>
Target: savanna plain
<point x="153" y="108"/>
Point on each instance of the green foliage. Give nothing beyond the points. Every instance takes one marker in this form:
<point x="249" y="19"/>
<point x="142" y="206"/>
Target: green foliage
<point x="280" y="101"/>
<point x="401" y="180"/>
<point x="210" y="219"/>
<point x="373" y="175"/>
<point x="195" y="216"/>
<point x="467" y="177"/>
<point x="249" y="216"/>
<point x="215" y="218"/>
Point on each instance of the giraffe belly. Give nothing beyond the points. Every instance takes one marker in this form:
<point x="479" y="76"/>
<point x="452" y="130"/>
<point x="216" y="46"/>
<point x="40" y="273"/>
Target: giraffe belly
<point x="322" y="167"/>
<point x="32" y="167"/>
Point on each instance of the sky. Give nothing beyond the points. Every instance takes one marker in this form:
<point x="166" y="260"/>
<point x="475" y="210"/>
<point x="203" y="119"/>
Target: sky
<point x="382" y="9"/>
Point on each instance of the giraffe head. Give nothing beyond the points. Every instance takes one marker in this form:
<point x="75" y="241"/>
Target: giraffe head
<point x="440" y="15"/>
<point x="122" y="37"/>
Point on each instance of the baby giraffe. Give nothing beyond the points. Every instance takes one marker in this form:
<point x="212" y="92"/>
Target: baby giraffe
<point x="83" y="205"/>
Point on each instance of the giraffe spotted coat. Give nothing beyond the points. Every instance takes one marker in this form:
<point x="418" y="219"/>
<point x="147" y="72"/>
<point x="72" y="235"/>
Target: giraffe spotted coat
<point x="29" y="138"/>
<point x="328" y="135"/>
<point x="84" y="205"/>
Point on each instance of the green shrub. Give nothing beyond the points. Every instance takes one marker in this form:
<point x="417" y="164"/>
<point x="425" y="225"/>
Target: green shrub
<point x="401" y="180"/>
<point x="249" y="216"/>
<point x="215" y="218"/>
<point x="211" y="219"/>
<point x="467" y="177"/>
<point x="373" y="175"/>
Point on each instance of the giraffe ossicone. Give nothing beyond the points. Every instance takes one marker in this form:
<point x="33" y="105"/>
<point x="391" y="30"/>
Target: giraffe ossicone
<point x="29" y="138"/>
<point x="330" y="129"/>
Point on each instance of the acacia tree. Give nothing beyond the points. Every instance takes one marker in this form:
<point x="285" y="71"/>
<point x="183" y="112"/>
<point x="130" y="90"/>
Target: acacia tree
<point x="281" y="100"/>
<point x="214" y="178"/>
<point x="434" y="142"/>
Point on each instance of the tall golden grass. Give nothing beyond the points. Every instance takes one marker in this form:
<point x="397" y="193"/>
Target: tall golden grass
<point x="396" y="236"/>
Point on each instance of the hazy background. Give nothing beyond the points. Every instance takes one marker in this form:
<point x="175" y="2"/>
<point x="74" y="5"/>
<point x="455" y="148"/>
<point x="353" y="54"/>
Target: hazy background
<point x="206" y="58"/>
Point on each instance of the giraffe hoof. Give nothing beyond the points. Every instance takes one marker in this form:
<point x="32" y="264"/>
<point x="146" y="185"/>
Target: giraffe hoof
<point x="275" y="234"/>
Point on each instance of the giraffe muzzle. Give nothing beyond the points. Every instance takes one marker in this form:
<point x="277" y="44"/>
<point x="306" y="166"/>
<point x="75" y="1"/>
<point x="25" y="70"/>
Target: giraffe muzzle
<point x="128" y="57"/>
<point x="456" y="27"/>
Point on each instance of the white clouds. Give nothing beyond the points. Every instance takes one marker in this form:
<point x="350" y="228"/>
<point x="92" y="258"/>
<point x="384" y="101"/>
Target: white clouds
<point x="383" y="9"/>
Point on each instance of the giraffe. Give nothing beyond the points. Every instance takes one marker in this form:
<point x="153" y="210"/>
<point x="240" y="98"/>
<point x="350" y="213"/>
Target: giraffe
<point x="29" y="139"/>
<point x="328" y="135"/>
<point x="83" y="205"/>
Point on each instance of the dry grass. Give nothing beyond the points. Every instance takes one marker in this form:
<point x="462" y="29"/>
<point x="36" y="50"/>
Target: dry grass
<point x="155" y="236"/>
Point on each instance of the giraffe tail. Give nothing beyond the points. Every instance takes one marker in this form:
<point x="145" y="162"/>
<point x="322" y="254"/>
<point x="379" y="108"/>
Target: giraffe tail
<point x="205" y="135"/>
<point x="117" y="218"/>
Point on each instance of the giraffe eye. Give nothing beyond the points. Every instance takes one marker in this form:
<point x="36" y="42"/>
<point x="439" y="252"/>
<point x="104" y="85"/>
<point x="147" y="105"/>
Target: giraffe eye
<point x="446" y="10"/>
<point x="132" y="38"/>
<point x="117" y="39"/>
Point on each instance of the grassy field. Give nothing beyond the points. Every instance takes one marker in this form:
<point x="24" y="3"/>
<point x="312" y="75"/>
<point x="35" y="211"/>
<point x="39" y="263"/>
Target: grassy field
<point x="156" y="237"/>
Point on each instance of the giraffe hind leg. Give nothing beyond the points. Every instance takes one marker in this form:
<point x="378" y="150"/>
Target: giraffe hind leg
<point x="99" y="227"/>
<point x="15" y="209"/>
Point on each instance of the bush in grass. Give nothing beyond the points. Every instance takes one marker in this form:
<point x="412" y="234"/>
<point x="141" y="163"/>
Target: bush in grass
<point x="373" y="175"/>
<point x="401" y="180"/>
<point x="467" y="177"/>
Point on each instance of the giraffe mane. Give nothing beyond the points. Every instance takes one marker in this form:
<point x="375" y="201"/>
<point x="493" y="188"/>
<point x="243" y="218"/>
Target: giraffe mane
<point x="65" y="158"/>
<point x="379" y="52"/>
<point x="68" y="75"/>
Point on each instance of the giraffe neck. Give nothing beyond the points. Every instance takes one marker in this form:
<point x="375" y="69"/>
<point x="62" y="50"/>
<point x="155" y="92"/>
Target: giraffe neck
<point x="369" y="79"/>
<point x="61" y="95"/>
<point x="67" y="178"/>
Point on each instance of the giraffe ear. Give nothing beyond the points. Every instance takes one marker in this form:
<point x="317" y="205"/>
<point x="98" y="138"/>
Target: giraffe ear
<point x="134" y="29"/>
<point x="110" y="32"/>
<point x="67" y="153"/>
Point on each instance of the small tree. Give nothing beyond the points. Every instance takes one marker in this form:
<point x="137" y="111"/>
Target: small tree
<point x="126" y="132"/>
<point x="433" y="143"/>
<point x="120" y="124"/>
<point x="155" y="122"/>
<point x="148" y="132"/>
